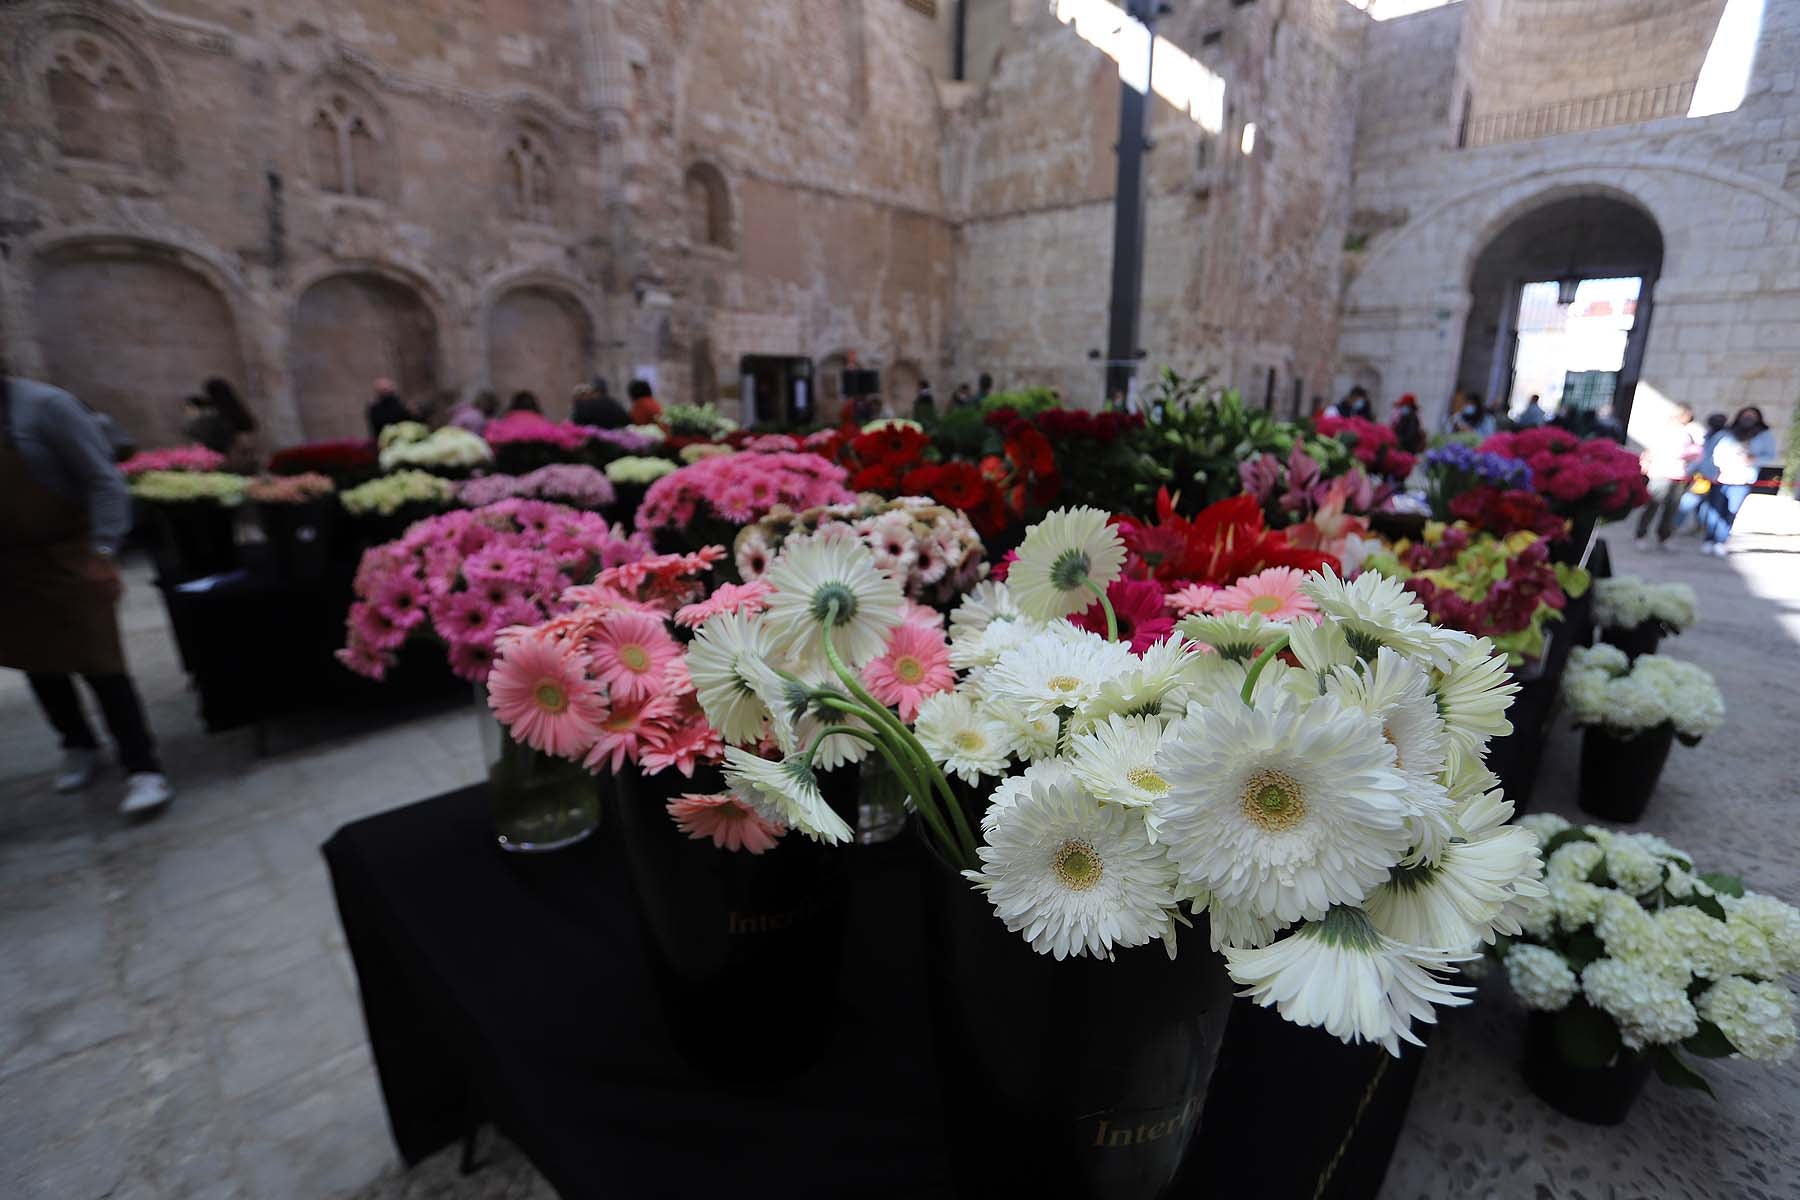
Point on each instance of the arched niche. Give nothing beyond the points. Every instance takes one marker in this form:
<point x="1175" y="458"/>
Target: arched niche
<point x="540" y="340"/>
<point x="131" y="329"/>
<point x="708" y="203"/>
<point x="349" y="330"/>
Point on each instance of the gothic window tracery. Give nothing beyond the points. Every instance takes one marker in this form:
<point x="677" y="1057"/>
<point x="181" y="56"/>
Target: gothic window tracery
<point x="344" y="147"/>
<point x="527" y="180"/>
<point x="99" y="102"/>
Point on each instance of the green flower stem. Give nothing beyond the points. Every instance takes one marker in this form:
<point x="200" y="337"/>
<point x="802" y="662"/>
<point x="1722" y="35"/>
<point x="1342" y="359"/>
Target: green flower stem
<point x="1112" y="619"/>
<point x="897" y="761"/>
<point x="964" y="846"/>
<point x="902" y="763"/>
<point x="1262" y="660"/>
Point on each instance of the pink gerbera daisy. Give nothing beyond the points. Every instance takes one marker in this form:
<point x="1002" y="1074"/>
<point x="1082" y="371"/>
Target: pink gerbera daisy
<point x="916" y="665"/>
<point x="735" y="504"/>
<point x="1191" y="599"/>
<point x="462" y="615"/>
<point x="686" y="743"/>
<point x="401" y="599"/>
<point x="627" y="730"/>
<point x="922" y="616"/>
<point x="631" y="652"/>
<point x="365" y="660"/>
<point x="373" y="628"/>
<point x="728" y="821"/>
<point x="472" y="659"/>
<point x="538" y="691"/>
<point x="1273" y="594"/>
<point x="747" y="598"/>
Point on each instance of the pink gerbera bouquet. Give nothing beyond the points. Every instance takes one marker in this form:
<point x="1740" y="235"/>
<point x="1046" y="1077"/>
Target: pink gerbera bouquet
<point x="175" y="458"/>
<point x="465" y="576"/>
<point x="716" y="495"/>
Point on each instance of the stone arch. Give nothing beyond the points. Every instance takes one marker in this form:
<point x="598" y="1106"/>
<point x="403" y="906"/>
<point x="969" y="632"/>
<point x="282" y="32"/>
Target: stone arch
<point x="345" y="132"/>
<point x="349" y="328"/>
<point x="900" y="383"/>
<point x="540" y="339"/>
<point x="131" y="327"/>
<point x="101" y="95"/>
<point x="708" y="201"/>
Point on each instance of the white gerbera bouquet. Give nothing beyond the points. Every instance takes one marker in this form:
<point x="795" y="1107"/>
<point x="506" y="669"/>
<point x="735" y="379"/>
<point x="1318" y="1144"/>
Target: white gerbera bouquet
<point x="1636" y="953"/>
<point x="1627" y="602"/>
<point x="1603" y="688"/>
<point x="1316" y="790"/>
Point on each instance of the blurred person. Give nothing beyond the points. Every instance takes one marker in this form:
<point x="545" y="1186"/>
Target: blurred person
<point x="1533" y="414"/>
<point x="387" y="408"/>
<point x="474" y="414"/>
<point x="1606" y="423"/>
<point x="984" y="387"/>
<point x="1470" y="416"/>
<point x="924" y="403"/>
<point x="524" y="402"/>
<point x="599" y="409"/>
<point x="1408" y="429"/>
<point x="1700" y="478"/>
<point x="203" y="425"/>
<point x="1739" y="453"/>
<point x="64" y="511"/>
<point x="962" y="397"/>
<point x="644" y="408"/>
<point x="1668" y="463"/>
<point x="1496" y="420"/>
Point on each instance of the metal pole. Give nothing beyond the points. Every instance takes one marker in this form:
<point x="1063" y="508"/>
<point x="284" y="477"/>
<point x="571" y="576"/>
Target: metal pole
<point x="1128" y="217"/>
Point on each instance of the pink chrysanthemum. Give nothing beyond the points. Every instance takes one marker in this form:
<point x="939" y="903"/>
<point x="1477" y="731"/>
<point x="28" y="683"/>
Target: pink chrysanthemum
<point x="627" y="731"/>
<point x="728" y="821"/>
<point x="1273" y="594"/>
<point x="915" y="665"/>
<point x="538" y="691"/>
<point x="631" y="652"/>
<point x="1192" y="599"/>
<point x="747" y="598"/>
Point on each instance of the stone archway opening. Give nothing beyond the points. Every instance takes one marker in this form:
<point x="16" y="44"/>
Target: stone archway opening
<point x="1560" y="301"/>
<point x="540" y="340"/>
<point x="350" y="330"/>
<point x="131" y="331"/>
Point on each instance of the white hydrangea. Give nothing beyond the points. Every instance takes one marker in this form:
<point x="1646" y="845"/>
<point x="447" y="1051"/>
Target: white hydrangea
<point x="1540" y="977"/>
<point x="1779" y="924"/>
<point x="1758" y="1018"/>
<point x="1650" y="1009"/>
<point x="1578" y="903"/>
<point x="1601" y="689"/>
<point x="1601" y="657"/>
<point x="1632" y="868"/>
<point x="1697" y="939"/>
<point x="1685" y="693"/>
<point x="1573" y="861"/>
<point x="1628" y="931"/>
<point x="1625" y="602"/>
<point x="1748" y="947"/>
<point x="1537" y="915"/>
<point x="1544" y="825"/>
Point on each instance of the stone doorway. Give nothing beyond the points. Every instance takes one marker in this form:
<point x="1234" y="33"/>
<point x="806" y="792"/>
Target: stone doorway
<point x="540" y="341"/>
<point x="350" y="330"/>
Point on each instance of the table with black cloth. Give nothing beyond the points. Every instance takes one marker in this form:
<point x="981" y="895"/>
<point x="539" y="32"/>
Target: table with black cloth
<point x="518" y="991"/>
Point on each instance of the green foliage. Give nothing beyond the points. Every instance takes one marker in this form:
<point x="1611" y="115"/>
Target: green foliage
<point x="1709" y="1041"/>
<point x="1573" y="833"/>
<point x="962" y="433"/>
<point x="1725" y="885"/>
<point x="1790" y="475"/>
<point x="1026" y="402"/>
<point x="695" y="420"/>
<point x="1672" y="1071"/>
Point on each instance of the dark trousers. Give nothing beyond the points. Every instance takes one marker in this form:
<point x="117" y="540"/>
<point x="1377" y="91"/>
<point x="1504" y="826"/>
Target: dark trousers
<point x="1665" y="500"/>
<point x="119" y="704"/>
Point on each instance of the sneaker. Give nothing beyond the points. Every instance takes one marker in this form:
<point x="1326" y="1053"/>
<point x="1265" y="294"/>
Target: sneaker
<point x="146" y="793"/>
<point x="1639" y="543"/>
<point x="78" y="770"/>
<point x="1664" y="547"/>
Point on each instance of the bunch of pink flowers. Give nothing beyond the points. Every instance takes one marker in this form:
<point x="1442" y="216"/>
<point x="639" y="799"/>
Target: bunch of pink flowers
<point x="465" y="576"/>
<point x="741" y="488"/>
<point x="1146" y="613"/>
<point x="534" y="427"/>
<point x="290" y="489"/>
<point x="567" y="483"/>
<point x="175" y="458"/>
<point x="1579" y="477"/>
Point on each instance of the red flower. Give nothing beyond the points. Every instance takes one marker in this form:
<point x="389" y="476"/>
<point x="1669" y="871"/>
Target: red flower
<point x="1221" y="544"/>
<point x="1138" y="606"/>
<point x="880" y="477"/>
<point x="896" y="444"/>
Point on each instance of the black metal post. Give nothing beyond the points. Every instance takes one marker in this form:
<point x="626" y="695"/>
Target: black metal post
<point x="1128" y="218"/>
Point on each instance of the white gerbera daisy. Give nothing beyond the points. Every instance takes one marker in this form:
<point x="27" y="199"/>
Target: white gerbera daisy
<point x="1008" y="790"/>
<point x="719" y="660"/>
<point x="811" y="577"/>
<point x="786" y="792"/>
<point x="1345" y="975"/>
<point x="1116" y="761"/>
<point x="1376" y="611"/>
<point x="1320" y="648"/>
<point x="1228" y="926"/>
<point x="1051" y="672"/>
<point x="1233" y="635"/>
<point x="982" y="605"/>
<point x="1060" y="556"/>
<point x="1034" y="738"/>
<point x="1283" y="808"/>
<point x="1472" y="694"/>
<point x="1462" y="897"/>
<point x="961" y="738"/>
<point x="1075" y="877"/>
<point x="1397" y="692"/>
<point x="1156" y="685"/>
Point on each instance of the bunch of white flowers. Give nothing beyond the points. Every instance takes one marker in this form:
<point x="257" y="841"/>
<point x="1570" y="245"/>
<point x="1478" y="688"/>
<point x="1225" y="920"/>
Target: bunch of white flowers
<point x="1626" y="602"/>
<point x="1330" y="814"/>
<point x="1671" y="959"/>
<point x="1601" y="687"/>
<point x="409" y="444"/>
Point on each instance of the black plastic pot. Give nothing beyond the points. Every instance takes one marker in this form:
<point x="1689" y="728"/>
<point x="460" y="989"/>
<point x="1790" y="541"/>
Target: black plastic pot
<point x="1079" y="1078"/>
<point x="1597" y="1095"/>
<point x="195" y="538"/>
<point x="1639" y="639"/>
<point x="1618" y="775"/>
<point x="299" y="536"/>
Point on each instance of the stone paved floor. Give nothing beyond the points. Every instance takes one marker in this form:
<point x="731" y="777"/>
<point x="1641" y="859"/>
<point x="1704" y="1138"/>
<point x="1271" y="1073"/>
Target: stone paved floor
<point x="178" y="1016"/>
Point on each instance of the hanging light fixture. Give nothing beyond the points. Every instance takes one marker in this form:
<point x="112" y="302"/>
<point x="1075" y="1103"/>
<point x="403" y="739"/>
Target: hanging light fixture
<point x="1570" y="279"/>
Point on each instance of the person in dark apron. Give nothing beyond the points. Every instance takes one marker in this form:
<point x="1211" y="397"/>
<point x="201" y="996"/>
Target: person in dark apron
<point x="64" y="509"/>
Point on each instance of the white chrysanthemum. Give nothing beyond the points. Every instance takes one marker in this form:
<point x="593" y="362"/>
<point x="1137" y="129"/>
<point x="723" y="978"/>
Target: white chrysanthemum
<point x="1700" y="941"/>
<point x="1633" y="869"/>
<point x="810" y="577"/>
<point x="1572" y="861"/>
<point x="1050" y="672"/>
<point x="717" y="660"/>
<point x="1473" y="693"/>
<point x="1376" y="611"/>
<point x="1156" y="685"/>
<point x="1629" y="932"/>
<point x="961" y="738"/>
<point x="1471" y="891"/>
<point x="1116" y="761"/>
<point x="1282" y="808"/>
<point x="1007" y="791"/>
<point x="1757" y="1018"/>
<point x="1075" y="877"/>
<point x="1544" y="825"/>
<point x="1343" y="974"/>
<point x="1779" y="924"/>
<point x="786" y="792"/>
<point x="1395" y="691"/>
<point x="1540" y="977"/>
<point x="1649" y="1009"/>
<point x="1234" y="635"/>
<point x="1059" y="557"/>
<point x="982" y="605"/>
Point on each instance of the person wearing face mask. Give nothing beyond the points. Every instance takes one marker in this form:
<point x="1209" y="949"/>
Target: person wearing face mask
<point x="1740" y="453"/>
<point x="1468" y="416"/>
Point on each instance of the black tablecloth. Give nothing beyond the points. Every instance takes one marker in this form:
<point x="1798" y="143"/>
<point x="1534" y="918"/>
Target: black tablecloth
<point x="519" y="990"/>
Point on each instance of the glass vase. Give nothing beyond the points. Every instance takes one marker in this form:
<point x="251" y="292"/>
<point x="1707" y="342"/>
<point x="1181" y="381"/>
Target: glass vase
<point x="880" y="803"/>
<point x="540" y="802"/>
